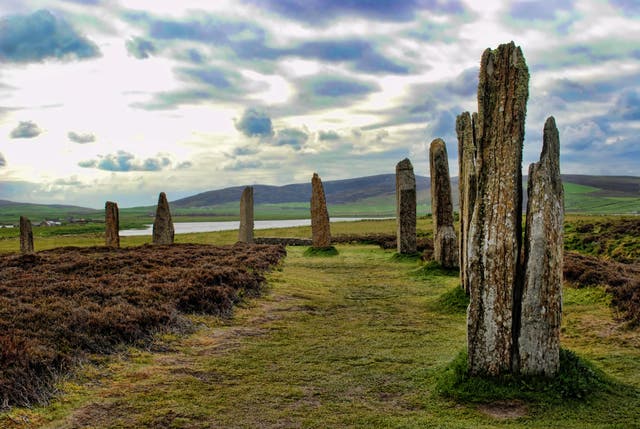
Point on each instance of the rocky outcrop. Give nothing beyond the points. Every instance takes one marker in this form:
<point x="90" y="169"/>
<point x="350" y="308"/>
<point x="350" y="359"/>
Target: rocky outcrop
<point x="495" y="228"/>
<point x="163" y="232"/>
<point x="111" y="224"/>
<point x="539" y="338"/>
<point x="465" y="130"/>
<point x="245" y="233"/>
<point x="445" y="242"/>
<point x="406" y="207"/>
<point x="26" y="236"/>
<point x="320" y="227"/>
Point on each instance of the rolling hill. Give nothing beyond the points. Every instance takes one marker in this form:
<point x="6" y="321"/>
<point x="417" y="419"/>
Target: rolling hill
<point x="359" y="197"/>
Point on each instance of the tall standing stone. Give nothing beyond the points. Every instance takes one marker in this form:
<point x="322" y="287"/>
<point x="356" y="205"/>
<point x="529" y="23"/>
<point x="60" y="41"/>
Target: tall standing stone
<point x="496" y="224"/>
<point x="26" y="236"/>
<point x="406" y="207"/>
<point x="445" y="242"/>
<point x="245" y="233"/>
<point x="112" y="224"/>
<point x="320" y="226"/>
<point x="163" y="231"/>
<point x="539" y="340"/>
<point x="465" y="129"/>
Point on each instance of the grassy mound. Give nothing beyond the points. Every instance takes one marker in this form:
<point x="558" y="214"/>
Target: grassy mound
<point x="454" y="300"/>
<point x="321" y="251"/>
<point x="577" y="379"/>
<point x="57" y="305"/>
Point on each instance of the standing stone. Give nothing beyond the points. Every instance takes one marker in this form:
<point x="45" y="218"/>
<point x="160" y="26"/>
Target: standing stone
<point x="445" y="242"/>
<point x="406" y="207"/>
<point x="539" y="340"/>
<point x="496" y="224"/>
<point x="163" y="231"/>
<point x="26" y="236"/>
<point x="320" y="227"/>
<point x="465" y="127"/>
<point x="245" y="234"/>
<point x="112" y="224"/>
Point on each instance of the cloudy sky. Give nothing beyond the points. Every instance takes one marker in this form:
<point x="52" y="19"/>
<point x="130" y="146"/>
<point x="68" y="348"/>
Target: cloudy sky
<point x="121" y="99"/>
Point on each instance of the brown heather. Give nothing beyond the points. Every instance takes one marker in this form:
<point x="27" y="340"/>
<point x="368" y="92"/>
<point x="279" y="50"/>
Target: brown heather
<point x="57" y="305"/>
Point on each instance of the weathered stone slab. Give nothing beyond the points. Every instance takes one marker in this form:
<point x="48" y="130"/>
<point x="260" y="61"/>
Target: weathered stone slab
<point x="465" y="129"/>
<point x="496" y="224"/>
<point x="26" y="236"/>
<point x="445" y="242"/>
<point x="539" y="340"/>
<point x="111" y="224"/>
<point x="163" y="232"/>
<point x="320" y="226"/>
<point x="245" y="233"/>
<point x="406" y="207"/>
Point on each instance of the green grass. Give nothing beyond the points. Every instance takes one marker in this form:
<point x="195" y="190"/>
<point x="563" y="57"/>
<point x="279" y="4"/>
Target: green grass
<point x="576" y="379"/>
<point x="356" y="340"/>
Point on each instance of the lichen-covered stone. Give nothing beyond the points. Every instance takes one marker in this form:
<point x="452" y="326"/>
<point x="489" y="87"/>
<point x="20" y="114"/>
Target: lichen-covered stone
<point x="111" y="224"/>
<point x="445" y="243"/>
<point x="245" y="233"/>
<point x="467" y="186"/>
<point x="539" y="339"/>
<point x="496" y="224"/>
<point x="26" y="236"/>
<point x="163" y="232"/>
<point x="406" y="207"/>
<point x="320" y="226"/>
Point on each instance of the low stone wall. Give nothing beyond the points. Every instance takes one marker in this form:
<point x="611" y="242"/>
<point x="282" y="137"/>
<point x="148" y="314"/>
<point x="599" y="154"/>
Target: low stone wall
<point x="284" y="241"/>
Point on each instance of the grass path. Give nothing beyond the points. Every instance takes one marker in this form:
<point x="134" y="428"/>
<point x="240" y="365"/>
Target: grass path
<point x="354" y="340"/>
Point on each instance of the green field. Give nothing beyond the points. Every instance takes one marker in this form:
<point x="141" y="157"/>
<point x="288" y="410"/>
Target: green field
<point x="354" y="340"/>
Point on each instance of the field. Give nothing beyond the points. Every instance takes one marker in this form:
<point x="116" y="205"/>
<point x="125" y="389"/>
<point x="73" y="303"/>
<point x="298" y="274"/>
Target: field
<point x="361" y="339"/>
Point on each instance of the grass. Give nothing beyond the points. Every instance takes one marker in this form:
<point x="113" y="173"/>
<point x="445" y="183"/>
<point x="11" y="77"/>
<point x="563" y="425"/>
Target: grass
<point x="321" y="251"/>
<point x="355" y="340"/>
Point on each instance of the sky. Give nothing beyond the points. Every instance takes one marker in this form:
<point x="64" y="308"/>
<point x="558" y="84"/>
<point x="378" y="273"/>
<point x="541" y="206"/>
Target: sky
<point x="122" y="99"/>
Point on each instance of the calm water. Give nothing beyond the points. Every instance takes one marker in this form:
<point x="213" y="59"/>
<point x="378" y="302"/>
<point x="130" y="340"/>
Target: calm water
<point x="186" y="227"/>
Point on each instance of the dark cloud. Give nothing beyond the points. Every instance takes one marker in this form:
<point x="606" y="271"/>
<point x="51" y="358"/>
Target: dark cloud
<point x="328" y="135"/>
<point x="338" y="87"/>
<point x="209" y="75"/>
<point x="627" y="106"/>
<point x="195" y="56"/>
<point x="292" y="137"/>
<point x="124" y="161"/>
<point x="140" y="48"/>
<point x="629" y="7"/>
<point x="255" y="123"/>
<point x="36" y="37"/>
<point x="3" y="161"/>
<point x="466" y="83"/>
<point x="322" y="11"/>
<point x="443" y="126"/>
<point x="249" y="42"/>
<point x="175" y="99"/>
<point x="361" y="53"/>
<point x="245" y="150"/>
<point x="538" y="9"/>
<point x="26" y="130"/>
<point x="81" y="138"/>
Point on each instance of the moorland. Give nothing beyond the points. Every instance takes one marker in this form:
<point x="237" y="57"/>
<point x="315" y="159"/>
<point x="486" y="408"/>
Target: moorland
<point x="361" y="339"/>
